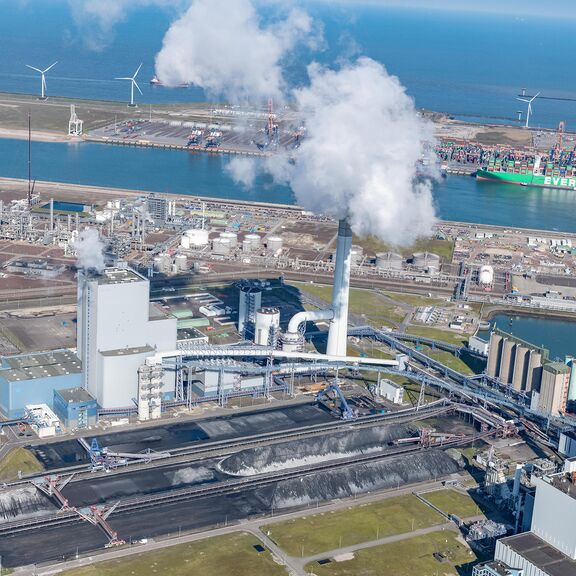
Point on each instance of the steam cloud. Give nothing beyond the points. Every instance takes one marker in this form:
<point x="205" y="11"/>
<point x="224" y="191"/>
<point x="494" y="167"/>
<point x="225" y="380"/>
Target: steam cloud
<point x="97" y="18"/>
<point x="358" y="160"/>
<point x="242" y="170"/>
<point x="89" y="250"/>
<point x="224" y="48"/>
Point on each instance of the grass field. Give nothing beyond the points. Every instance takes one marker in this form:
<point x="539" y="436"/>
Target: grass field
<point x="415" y="299"/>
<point x="456" y="338"/>
<point x="376" y="309"/>
<point x="330" y="530"/>
<point x="231" y="555"/>
<point x="410" y="557"/>
<point x="452" y="502"/>
<point x="18" y="459"/>
<point x="448" y="359"/>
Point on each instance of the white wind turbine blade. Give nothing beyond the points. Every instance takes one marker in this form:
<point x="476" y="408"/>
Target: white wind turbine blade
<point x="32" y="67"/>
<point x="49" y="67"/>
<point x="123" y="78"/>
<point x="136" y="73"/>
<point x="534" y="97"/>
<point x="136" y="84"/>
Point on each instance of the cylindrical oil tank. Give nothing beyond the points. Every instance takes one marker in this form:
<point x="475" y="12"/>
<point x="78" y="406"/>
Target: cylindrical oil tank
<point x="181" y="262"/>
<point x="486" y="276"/>
<point x="426" y="261"/>
<point x="221" y="246"/>
<point x="356" y="254"/>
<point x="267" y="327"/>
<point x="246" y="245"/>
<point x="274" y="243"/>
<point x="163" y="263"/>
<point x="185" y="242"/>
<point x="254" y="239"/>
<point x="389" y="261"/>
<point x="231" y="236"/>
<point x="197" y="237"/>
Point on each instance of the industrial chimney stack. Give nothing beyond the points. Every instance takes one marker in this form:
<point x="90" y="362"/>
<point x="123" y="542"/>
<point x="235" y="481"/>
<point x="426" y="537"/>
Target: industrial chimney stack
<point x="338" y="333"/>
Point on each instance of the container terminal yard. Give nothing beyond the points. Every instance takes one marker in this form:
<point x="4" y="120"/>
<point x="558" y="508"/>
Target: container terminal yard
<point x="270" y="362"/>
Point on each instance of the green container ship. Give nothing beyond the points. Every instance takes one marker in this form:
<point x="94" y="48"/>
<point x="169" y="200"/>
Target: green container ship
<point x="529" y="173"/>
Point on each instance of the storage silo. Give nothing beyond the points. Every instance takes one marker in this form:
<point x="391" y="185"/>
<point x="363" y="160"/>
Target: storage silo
<point x="163" y="263"/>
<point x="274" y="243"/>
<point x="181" y="262"/>
<point x="254" y="239"/>
<point x="267" y="327"/>
<point x="246" y="245"/>
<point x="198" y="237"/>
<point x="494" y="355"/>
<point x="221" y="246"/>
<point x="389" y="261"/>
<point x="232" y="237"/>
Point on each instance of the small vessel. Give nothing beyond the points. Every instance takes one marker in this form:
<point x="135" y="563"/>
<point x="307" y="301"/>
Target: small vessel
<point x="155" y="81"/>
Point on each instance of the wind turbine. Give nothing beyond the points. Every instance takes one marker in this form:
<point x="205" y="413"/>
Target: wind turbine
<point x="42" y="72"/>
<point x="133" y="83"/>
<point x="529" y="111"/>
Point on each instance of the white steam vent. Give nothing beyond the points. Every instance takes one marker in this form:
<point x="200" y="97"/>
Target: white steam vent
<point x="89" y="249"/>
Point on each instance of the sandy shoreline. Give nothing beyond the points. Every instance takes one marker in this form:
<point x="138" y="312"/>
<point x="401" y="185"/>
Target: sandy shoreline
<point x="37" y="136"/>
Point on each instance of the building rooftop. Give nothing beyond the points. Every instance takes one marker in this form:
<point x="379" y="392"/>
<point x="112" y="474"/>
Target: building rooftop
<point x="74" y="395"/>
<point x="562" y="482"/>
<point x="541" y="554"/>
<point x="128" y="351"/>
<point x="556" y="367"/>
<point x="499" y="568"/>
<point x="43" y="365"/>
<point x="118" y="276"/>
<point x="156" y="312"/>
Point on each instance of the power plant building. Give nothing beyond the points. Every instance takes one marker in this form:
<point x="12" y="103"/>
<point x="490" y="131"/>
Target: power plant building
<point x="552" y="398"/>
<point x="33" y="378"/>
<point x="117" y="330"/>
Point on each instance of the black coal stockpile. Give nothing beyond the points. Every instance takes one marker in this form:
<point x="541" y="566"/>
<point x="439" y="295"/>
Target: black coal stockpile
<point x="396" y="471"/>
<point x="296" y="453"/>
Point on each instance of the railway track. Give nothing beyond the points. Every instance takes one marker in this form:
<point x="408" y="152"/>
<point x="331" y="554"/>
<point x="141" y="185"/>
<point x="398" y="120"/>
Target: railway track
<point x="221" y="448"/>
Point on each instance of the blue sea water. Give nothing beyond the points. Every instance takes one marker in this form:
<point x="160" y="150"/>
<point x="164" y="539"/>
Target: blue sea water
<point x="457" y="198"/>
<point x="466" y="64"/>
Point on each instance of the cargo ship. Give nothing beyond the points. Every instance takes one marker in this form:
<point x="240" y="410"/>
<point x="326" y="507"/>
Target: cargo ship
<point x="530" y="172"/>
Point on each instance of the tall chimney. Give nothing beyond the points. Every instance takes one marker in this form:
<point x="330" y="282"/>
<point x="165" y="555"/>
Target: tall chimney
<point x="338" y="333"/>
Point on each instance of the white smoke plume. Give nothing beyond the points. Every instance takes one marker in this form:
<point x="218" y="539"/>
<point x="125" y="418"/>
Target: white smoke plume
<point x="242" y="170"/>
<point x="96" y="19"/>
<point x="359" y="157"/>
<point x="223" y="47"/>
<point x="89" y="249"/>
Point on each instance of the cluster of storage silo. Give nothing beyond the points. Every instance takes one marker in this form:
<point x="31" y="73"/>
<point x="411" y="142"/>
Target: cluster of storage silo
<point x="389" y="261"/>
<point x="426" y="261"/>
<point x="165" y="264"/>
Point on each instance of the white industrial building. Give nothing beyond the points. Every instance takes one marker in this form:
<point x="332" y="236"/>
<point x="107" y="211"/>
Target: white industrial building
<point x="390" y="391"/>
<point x="117" y="330"/>
<point x="549" y="548"/>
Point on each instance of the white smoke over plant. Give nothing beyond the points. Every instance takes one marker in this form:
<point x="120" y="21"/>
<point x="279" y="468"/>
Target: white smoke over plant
<point x="242" y="170"/>
<point x="96" y="19"/>
<point x="224" y="47"/>
<point x="363" y="142"/>
<point x="89" y="249"/>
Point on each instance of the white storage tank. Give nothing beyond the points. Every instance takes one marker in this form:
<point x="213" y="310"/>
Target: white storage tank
<point x="221" y="246"/>
<point x="486" y="276"/>
<point x="163" y="263"/>
<point x="389" y="261"/>
<point x="254" y="239"/>
<point x="267" y="327"/>
<point x="246" y="245"/>
<point x="274" y="243"/>
<point x="181" y="262"/>
<point x="426" y="261"/>
<point x="231" y="236"/>
<point x="198" y="237"/>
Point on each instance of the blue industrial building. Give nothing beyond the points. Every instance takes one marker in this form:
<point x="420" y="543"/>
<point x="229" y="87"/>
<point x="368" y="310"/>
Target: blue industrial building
<point x="33" y="378"/>
<point x="75" y="408"/>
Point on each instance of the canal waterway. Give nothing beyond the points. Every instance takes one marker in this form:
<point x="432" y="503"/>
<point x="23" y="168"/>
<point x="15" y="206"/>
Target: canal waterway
<point x="458" y="198"/>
